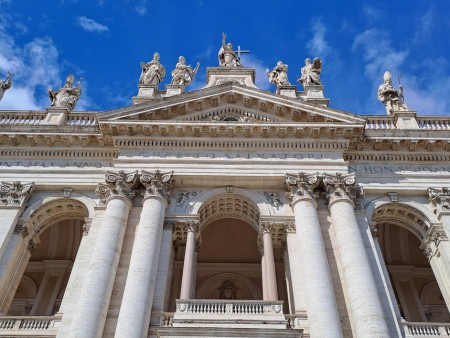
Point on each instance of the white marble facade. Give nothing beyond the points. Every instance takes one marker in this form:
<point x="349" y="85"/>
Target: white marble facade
<point x="225" y="212"/>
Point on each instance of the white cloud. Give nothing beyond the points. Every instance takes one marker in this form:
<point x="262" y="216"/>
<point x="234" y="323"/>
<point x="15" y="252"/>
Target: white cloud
<point x="261" y="79"/>
<point x="35" y="67"/>
<point x="371" y="12"/>
<point x="141" y="8"/>
<point x="318" y="45"/>
<point x="91" y="25"/>
<point x="426" y="24"/>
<point x="425" y="91"/>
<point x="378" y="53"/>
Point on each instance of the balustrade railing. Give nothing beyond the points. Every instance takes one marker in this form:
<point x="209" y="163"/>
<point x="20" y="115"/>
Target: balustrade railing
<point x="29" y="326"/>
<point x="380" y="122"/>
<point x="426" y="330"/>
<point x="436" y="123"/>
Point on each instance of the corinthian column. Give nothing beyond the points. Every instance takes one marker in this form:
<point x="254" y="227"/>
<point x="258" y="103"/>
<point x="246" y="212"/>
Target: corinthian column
<point x="136" y="307"/>
<point x="321" y="309"/>
<point x="365" y="305"/>
<point x="90" y="316"/>
<point x="268" y="261"/>
<point x="187" y="281"/>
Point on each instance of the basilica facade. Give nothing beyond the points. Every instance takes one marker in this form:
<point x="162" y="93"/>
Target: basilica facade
<point x="228" y="211"/>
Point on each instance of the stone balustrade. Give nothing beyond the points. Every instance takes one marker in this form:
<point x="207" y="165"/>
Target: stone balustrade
<point x="229" y="313"/>
<point x="11" y="326"/>
<point x="426" y="330"/>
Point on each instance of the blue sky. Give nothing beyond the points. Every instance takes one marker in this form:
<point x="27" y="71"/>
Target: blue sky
<point x="41" y="42"/>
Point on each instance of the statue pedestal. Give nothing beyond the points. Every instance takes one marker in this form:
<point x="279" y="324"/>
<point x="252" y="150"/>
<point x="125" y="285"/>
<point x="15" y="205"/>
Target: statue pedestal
<point x="145" y="93"/>
<point x="290" y="91"/>
<point x="56" y="116"/>
<point x="405" y="119"/>
<point x="174" y="89"/>
<point x="239" y="75"/>
<point x="315" y="94"/>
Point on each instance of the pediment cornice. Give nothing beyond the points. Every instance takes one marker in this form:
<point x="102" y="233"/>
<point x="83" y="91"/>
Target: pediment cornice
<point x="259" y="104"/>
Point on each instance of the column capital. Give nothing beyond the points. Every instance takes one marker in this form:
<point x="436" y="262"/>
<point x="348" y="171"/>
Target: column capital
<point x="157" y="184"/>
<point x="191" y="226"/>
<point x="440" y="200"/>
<point x="265" y="227"/>
<point x="15" y="193"/>
<point x="118" y="184"/>
<point x="430" y="244"/>
<point x="301" y="186"/>
<point x="169" y="225"/>
<point x="342" y="187"/>
<point x="289" y="227"/>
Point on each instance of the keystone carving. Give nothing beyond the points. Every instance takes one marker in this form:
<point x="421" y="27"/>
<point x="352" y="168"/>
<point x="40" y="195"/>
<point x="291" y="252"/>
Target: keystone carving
<point x="439" y="199"/>
<point x="301" y="185"/>
<point x="15" y="194"/>
<point x="157" y="183"/>
<point x="123" y="184"/>
<point x="343" y="187"/>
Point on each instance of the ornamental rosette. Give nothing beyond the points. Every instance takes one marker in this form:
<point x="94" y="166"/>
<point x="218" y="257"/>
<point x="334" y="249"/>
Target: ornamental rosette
<point x="157" y="183"/>
<point x="16" y="193"/>
<point x="301" y="185"/>
<point x="123" y="184"/>
<point x="342" y="186"/>
<point x="439" y="199"/>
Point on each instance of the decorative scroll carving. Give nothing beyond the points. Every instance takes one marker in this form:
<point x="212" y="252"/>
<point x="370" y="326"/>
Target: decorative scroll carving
<point x="120" y="183"/>
<point x="439" y="199"/>
<point x="191" y="226"/>
<point x="157" y="183"/>
<point x="343" y="187"/>
<point x="274" y="199"/>
<point x="15" y="194"/>
<point x="31" y="245"/>
<point x="301" y="185"/>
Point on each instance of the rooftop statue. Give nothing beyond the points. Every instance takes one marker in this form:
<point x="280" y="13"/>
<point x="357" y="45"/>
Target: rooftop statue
<point x="5" y="85"/>
<point x="183" y="74"/>
<point x="391" y="98"/>
<point x="152" y="72"/>
<point x="310" y="73"/>
<point x="278" y="75"/>
<point x="67" y="96"/>
<point x="227" y="57"/>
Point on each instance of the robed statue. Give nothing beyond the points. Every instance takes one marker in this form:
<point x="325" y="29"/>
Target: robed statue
<point x="5" y="85"/>
<point x="390" y="97"/>
<point x="183" y="74"/>
<point x="310" y="73"/>
<point x="153" y="72"/>
<point x="67" y="96"/>
<point x="278" y="75"/>
<point x="226" y="55"/>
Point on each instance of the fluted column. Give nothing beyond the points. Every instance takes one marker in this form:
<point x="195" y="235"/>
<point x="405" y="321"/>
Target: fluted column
<point x="321" y="309"/>
<point x="136" y="306"/>
<point x="268" y="260"/>
<point x="365" y="305"/>
<point x="187" y="286"/>
<point x="90" y="316"/>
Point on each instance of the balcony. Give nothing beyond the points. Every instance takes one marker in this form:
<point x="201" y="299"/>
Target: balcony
<point x="426" y="330"/>
<point x="29" y="326"/>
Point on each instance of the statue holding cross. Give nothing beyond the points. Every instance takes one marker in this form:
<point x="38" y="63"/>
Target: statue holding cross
<point x="227" y="56"/>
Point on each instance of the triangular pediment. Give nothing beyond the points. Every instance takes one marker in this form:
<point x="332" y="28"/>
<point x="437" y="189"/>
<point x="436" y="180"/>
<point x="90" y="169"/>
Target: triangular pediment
<point x="230" y="103"/>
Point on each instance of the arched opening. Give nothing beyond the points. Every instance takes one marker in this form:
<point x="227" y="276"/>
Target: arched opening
<point x="53" y="232"/>
<point x="400" y="232"/>
<point x="46" y="275"/>
<point x="229" y="262"/>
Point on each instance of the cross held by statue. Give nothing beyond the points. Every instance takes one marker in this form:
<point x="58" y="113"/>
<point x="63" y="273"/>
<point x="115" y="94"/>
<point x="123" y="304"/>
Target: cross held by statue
<point x="239" y="51"/>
